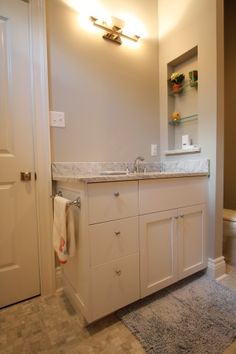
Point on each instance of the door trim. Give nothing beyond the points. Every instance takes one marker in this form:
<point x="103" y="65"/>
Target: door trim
<point x="40" y="105"/>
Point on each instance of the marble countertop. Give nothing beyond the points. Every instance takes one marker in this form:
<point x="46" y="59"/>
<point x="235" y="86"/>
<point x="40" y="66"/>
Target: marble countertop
<point x="127" y="177"/>
<point x="94" y="172"/>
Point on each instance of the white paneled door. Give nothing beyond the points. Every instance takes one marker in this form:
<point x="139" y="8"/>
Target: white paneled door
<point x="19" y="267"/>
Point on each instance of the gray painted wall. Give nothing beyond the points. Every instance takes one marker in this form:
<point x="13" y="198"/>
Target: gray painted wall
<point x="109" y="93"/>
<point x="230" y="106"/>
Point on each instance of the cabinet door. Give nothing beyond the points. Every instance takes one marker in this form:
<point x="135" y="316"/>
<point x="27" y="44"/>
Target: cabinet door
<point x="158" y="251"/>
<point x="191" y="239"/>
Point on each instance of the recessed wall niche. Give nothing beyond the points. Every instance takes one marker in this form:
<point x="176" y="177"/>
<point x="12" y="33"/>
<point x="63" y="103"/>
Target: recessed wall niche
<point x="183" y="102"/>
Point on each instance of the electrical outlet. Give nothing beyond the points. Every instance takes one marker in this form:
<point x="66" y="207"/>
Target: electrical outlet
<point x="57" y="119"/>
<point x="153" y="149"/>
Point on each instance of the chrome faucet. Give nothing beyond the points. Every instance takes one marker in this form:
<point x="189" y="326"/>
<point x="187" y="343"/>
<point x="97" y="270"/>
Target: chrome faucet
<point x="136" y="164"/>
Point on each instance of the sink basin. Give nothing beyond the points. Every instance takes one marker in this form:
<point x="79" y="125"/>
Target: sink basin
<point x="125" y="173"/>
<point x="147" y="173"/>
<point x="113" y="173"/>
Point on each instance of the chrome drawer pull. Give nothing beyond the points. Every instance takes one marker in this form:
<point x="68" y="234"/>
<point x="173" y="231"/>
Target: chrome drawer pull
<point x="117" y="233"/>
<point x="118" y="272"/>
<point x="116" y="194"/>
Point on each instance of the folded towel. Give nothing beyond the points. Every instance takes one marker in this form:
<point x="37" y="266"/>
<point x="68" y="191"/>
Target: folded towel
<point x="63" y="229"/>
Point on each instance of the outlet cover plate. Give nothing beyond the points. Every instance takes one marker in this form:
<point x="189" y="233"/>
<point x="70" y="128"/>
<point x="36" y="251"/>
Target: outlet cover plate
<point x="153" y="149"/>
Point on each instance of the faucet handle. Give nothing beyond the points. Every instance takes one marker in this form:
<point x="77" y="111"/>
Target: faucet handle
<point x="140" y="158"/>
<point x="136" y="163"/>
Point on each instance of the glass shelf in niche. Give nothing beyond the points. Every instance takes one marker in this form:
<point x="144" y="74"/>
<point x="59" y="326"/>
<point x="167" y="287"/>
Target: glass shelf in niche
<point x="183" y="119"/>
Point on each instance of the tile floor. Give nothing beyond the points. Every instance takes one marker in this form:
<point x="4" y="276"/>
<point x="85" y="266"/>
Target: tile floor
<point x="50" y="325"/>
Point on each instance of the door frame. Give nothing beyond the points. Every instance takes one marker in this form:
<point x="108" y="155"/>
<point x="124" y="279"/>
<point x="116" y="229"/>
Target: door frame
<point x="42" y="152"/>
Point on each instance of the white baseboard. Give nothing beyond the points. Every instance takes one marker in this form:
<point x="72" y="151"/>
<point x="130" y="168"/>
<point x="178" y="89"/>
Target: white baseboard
<point x="216" y="268"/>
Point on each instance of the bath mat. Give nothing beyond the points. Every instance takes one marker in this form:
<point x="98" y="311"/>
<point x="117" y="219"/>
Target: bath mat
<point x="196" y="315"/>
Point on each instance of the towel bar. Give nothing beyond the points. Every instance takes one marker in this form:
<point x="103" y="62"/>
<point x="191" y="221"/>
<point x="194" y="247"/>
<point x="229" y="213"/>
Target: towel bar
<point x="76" y="202"/>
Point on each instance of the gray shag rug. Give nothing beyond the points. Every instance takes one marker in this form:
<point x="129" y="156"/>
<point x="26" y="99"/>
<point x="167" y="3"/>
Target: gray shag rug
<point x="196" y="315"/>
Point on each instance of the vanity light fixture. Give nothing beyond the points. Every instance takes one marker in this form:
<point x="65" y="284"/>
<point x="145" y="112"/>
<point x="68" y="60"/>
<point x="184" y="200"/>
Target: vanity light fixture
<point x="114" y="31"/>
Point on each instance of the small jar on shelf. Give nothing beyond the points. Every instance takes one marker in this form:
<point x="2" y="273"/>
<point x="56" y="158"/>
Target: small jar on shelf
<point x="175" y="118"/>
<point x="193" y="78"/>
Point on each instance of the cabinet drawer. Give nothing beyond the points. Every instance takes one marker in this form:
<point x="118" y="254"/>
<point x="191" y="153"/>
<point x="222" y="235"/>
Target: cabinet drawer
<point x="157" y="195"/>
<point x="114" y="285"/>
<point x="112" y="240"/>
<point x="112" y="200"/>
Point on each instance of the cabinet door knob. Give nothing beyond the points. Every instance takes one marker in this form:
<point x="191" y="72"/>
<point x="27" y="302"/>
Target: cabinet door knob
<point x="117" y="233"/>
<point x="116" y="194"/>
<point x="118" y="272"/>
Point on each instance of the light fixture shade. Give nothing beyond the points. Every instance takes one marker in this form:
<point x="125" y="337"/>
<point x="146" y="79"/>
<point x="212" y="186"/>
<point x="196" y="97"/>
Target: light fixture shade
<point x="114" y="31"/>
<point x="116" y="22"/>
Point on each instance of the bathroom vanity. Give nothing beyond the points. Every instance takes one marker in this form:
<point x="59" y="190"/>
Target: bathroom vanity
<point x="136" y="234"/>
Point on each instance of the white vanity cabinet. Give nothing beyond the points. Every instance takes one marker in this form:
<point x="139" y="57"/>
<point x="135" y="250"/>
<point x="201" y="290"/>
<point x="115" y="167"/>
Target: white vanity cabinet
<point x="173" y="232"/>
<point x="134" y="238"/>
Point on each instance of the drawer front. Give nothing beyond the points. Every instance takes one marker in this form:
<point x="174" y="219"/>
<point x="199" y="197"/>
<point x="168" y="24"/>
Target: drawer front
<point x="112" y="200"/>
<point x="112" y="240"/>
<point x="114" y="285"/>
<point x="157" y="195"/>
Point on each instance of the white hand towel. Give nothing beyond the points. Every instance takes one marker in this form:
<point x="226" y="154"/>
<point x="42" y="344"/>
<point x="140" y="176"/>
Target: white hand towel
<point x="63" y="229"/>
<point x="60" y="229"/>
